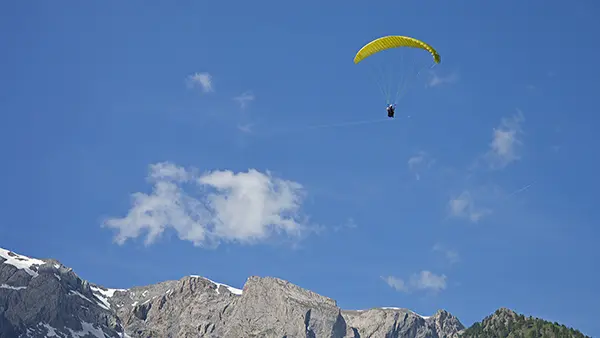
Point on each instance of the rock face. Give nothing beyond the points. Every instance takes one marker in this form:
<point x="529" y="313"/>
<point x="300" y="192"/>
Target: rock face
<point x="445" y="324"/>
<point x="396" y="322"/>
<point x="272" y="307"/>
<point x="190" y="307"/>
<point x="42" y="298"/>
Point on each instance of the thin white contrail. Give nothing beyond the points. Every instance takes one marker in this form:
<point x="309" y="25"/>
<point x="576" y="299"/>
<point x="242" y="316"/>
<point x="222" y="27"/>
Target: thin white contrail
<point x="520" y="190"/>
<point x="328" y="125"/>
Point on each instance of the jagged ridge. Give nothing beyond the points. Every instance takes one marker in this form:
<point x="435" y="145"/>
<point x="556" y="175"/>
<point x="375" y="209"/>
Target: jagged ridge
<point x="40" y="298"/>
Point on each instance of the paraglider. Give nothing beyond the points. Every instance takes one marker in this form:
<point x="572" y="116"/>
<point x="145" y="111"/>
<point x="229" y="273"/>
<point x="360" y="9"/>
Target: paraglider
<point x="390" y="110"/>
<point x="390" y="42"/>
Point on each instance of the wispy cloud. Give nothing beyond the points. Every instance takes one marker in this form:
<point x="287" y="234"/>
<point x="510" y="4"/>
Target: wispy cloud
<point x="244" y="99"/>
<point x="506" y="142"/>
<point x="437" y="80"/>
<point x="349" y="224"/>
<point x="245" y="207"/>
<point x="504" y="149"/>
<point x="463" y="206"/>
<point x="423" y="281"/>
<point x="204" y="80"/>
<point x="396" y="283"/>
<point x="245" y="128"/>
<point x="427" y="280"/>
<point x="451" y="255"/>
<point x="420" y="162"/>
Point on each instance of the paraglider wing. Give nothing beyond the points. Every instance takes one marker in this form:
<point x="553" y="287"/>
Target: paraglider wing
<point x="394" y="41"/>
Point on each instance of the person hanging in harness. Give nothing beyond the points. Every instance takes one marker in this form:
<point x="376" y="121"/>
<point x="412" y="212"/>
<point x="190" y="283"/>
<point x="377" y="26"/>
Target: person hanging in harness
<point x="390" y="110"/>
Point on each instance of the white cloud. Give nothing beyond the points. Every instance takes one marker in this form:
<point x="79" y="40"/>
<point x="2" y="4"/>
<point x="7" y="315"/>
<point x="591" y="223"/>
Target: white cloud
<point x="464" y="206"/>
<point x="426" y="280"/>
<point x="436" y="80"/>
<point x="451" y="255"/>
<point x="245" y="207"/>
<point x="420" y="162"/>
<point x="396" y="283"/>
<point x="244" y="99"/>
<point x="423" y="281"/>
<point x="506" y="142"/>
<point x="204" y="80"/>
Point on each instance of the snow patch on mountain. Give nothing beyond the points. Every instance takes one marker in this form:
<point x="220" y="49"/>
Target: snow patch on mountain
<point x="233" y="290"/>
<point x="21" y="262"/>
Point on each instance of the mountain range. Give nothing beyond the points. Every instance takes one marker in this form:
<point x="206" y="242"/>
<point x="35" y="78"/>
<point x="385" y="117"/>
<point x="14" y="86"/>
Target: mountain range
<point x="43" y="298"/>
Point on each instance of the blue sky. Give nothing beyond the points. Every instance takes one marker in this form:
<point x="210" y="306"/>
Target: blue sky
<point x="482" y="198"/>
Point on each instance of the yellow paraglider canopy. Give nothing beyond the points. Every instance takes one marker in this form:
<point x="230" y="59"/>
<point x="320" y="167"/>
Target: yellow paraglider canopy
<point x="394" y="41"/>
<point x="387" y="78"/>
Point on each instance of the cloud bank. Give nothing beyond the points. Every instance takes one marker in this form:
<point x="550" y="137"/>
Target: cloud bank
<point x="212" y="207"/>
